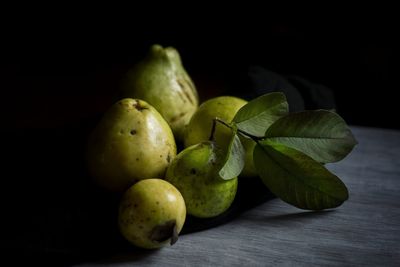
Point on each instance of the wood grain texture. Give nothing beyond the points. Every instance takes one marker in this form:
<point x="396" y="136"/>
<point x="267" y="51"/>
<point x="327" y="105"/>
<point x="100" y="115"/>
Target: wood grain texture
<point x="364" y="231"/>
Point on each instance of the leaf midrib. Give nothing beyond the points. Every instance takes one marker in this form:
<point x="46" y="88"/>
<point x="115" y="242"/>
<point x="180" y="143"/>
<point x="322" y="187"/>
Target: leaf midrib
<point x="259" y="114"/>
<point x="298" y="178"/>
<point x="308" y="137"/>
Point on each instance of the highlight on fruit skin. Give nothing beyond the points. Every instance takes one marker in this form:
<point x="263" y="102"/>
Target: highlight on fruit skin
<point x="151" y="214"/>
<point x="131" y="142"/>
<point x="162" y="81"/>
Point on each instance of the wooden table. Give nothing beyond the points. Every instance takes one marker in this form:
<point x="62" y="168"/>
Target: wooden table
<point x="364" y="231"/>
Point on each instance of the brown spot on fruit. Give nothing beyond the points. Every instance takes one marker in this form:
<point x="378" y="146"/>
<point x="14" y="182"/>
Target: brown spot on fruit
<point x="133" y="132"/>
<point x="163" y="232"/>
<point x="138" y="106"/>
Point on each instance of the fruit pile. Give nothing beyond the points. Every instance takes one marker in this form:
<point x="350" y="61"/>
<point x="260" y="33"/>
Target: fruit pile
<point x="133" y="151"/>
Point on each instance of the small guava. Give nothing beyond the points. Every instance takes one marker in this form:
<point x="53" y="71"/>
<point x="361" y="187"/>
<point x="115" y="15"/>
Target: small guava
<point x="200" y="125"/>
<point x="151" y="214"/>
<point x="194" y="172"/>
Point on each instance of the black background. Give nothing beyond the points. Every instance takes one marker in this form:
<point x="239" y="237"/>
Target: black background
<point x="59" y="70"/>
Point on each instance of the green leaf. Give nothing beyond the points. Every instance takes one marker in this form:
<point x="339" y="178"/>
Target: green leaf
<point x="321" y="134"/>
<point x="235" y="156"/>
<point x="296" y="178"/>
<point x="257" y="115"/>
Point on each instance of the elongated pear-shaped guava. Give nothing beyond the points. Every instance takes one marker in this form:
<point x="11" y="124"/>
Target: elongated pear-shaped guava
<point x="161" y="80"/>
<point x="132" y="142"/>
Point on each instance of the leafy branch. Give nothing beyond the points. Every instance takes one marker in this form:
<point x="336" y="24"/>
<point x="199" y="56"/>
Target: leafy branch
<point x="291" y="150"/>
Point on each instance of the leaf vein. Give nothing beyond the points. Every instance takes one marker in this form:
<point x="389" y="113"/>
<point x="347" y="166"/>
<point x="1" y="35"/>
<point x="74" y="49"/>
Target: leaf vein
<point x="295" y="175"/>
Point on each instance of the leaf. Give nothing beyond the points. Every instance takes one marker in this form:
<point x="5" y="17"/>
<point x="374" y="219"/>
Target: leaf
<point x="321" y="134"/>
<point x="235" y="156"/>
<point x="296" y="178"/>
<point x="257" y="115"/>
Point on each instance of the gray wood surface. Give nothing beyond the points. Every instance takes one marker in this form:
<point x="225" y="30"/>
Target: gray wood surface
<point x="364" y="231"/>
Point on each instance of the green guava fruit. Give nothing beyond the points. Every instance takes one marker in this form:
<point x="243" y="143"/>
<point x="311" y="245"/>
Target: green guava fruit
<point x="162" y="81"/>
<point x="200" y="125"/>
<point x="131" y="142"/>
<point x="194" y="172"/>
<point x="151" y="214"/>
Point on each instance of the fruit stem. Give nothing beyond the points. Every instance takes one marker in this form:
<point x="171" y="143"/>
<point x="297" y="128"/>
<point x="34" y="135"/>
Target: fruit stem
<point x="216" y="119"/>
<point x="211" y="138"/>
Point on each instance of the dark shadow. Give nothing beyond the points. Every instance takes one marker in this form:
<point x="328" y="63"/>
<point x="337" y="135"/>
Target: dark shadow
<point x="135" y="254"/>
<point x="52" y="213"/>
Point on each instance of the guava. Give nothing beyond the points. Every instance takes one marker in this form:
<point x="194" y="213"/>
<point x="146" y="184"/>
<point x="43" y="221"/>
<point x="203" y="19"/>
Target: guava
<point x="200" y="125"/>
<point x="131" y="142"/>
<point x="151" y="214"/>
